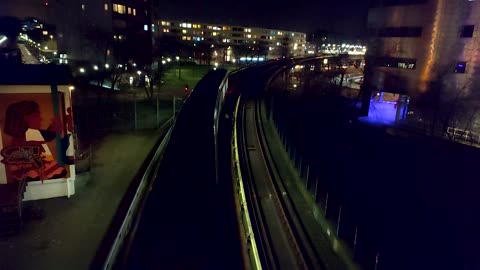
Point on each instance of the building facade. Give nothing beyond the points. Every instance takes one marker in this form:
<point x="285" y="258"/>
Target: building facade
<point x="417" y="42"/>
<point x="428" y="51"/>
<point x="92" y="31"/>
<point x="272" y="43"/>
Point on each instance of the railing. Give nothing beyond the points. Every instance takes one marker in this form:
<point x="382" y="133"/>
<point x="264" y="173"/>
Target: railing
<point x="459" y="134"/>
<point x="240" y="195"/>
<point x="130" y="208"/>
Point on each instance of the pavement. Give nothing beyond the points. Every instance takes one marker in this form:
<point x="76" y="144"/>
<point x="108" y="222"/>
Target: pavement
<point x="27" y="56"/>
<point x="69" y="233"/>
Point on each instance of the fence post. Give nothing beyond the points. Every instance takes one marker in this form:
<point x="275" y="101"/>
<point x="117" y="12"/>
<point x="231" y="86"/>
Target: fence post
<point x="158" y="113"/>
<point x="355" y="242"/>
<point x="174" y="109"/>
<point x="376" y="260"/>
<point x="339" y="218"/>
<point x="135" y="111"/>
<point x="326" y="205"/>
<point x="300" y="165"/>
<point x="308" y="174"/>
<point x="294" y="157"/>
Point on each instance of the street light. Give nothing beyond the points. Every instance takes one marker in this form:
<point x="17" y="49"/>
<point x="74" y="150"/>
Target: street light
<point x="107" y="66"/>
<point x="95" y="67"/>
<point x="139" y="73"/>
<point x="179" y="67"/>
<point x="82" y="70"/>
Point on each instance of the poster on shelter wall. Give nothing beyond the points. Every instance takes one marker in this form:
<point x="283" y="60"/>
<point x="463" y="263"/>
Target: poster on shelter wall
<point x="35" y="143"/>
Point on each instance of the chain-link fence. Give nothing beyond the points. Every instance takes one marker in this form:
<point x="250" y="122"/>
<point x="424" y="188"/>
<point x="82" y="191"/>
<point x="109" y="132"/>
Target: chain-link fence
<point x="100" y="112"/>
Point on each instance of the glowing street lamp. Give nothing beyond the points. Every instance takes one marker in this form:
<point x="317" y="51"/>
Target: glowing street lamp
<point x="82" y="70"/>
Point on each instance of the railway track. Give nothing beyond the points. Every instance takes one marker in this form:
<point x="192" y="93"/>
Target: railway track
<point x="281" y="239"/>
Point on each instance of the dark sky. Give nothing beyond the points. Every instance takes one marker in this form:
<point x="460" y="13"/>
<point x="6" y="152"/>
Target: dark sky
<point x="341" y="16"/>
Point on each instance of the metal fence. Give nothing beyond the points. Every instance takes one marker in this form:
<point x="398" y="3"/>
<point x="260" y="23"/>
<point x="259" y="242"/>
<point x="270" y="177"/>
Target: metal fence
<point x="100" y="112"/>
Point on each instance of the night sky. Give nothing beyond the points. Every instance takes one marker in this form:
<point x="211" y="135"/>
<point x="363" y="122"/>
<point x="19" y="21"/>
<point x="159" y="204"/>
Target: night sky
<point x="339" y="16"/>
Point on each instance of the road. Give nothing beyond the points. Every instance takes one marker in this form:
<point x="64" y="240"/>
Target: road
<point x="27" y="57"/>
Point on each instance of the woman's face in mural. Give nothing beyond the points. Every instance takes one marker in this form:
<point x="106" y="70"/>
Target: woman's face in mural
<point x="34" y="120"/>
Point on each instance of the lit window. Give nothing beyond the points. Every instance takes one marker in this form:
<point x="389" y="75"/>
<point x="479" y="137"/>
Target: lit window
<point x="166" y="30"/>
<point x="184" y="31"/>
<point x="184" y="38"/>
<point x="129" y="10"/>
<point x="83" y="7"/>
<point x="134" y="12"/>
<point x="145" y="27"/>
<point x="45" y="33"/>
<point x="461" y="67"/>
<point x="105" y="7"/>
<point x="109" y="52"/>
<point x="249" y="36"/>
<point x="121" y="9"/>
<point x="189" y="25"/>
<point x="189" y="38"/>
<point x="214" y="34"/>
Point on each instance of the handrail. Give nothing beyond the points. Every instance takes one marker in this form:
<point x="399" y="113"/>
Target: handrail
<point x="113" y="249"/>
<point x="247" y="224"/>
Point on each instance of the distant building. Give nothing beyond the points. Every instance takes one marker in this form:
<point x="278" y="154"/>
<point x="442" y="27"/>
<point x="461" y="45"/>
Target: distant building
<point x="90" y="30"/>
<point x="273" y="42"/>
<point x="418" y="41"/>
<point x="428" y="51"/>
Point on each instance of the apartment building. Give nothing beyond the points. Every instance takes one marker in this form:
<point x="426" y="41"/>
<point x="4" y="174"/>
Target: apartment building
<point x="275" y="42"/>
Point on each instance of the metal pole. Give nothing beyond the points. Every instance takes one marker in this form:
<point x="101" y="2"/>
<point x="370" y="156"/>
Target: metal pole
<point x="300" y="166"/>
<point x="135" y="111"/>
<point x="339" y="218"/>
<point x="326" y="204"/>
<point x="158" y="113"/>
<point x="294" y="157"/>
<point x="355" y="242"/>
<point x="174" y="109"/>
<point x="308" y="174"/>
<point x="376" y="261"/>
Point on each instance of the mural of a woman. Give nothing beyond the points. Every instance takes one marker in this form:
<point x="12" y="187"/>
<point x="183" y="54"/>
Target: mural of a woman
<point x="23" y="122"/>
